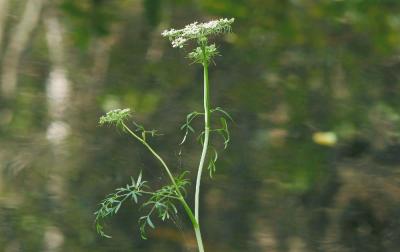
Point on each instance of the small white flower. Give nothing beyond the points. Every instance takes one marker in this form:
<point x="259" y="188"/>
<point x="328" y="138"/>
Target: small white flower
<point x="179" y="42"/>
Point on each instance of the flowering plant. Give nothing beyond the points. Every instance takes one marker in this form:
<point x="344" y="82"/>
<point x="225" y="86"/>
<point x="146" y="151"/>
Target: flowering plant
<point x="162" y="202"/>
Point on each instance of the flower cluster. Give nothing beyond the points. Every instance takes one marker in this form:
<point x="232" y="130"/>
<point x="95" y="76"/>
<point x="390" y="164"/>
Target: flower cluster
<point x="198" y="31"/>
<point x="116" y="116"/>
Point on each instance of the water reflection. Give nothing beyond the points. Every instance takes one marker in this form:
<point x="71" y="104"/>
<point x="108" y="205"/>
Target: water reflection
<point x="313" y="88"/>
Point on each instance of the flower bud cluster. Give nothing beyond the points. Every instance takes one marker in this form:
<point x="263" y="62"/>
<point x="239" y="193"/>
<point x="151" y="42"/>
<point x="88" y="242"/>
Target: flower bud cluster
<point x="199" y="55"/>
<point x="116" y="116"/>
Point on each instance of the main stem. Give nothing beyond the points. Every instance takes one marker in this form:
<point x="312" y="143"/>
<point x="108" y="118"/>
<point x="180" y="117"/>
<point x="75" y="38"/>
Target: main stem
<point x="188" y="211"/>
<point x="206" y="138"/>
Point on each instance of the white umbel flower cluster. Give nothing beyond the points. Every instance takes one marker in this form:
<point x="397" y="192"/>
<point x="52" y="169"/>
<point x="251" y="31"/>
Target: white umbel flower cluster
<point x="197" y="30"/>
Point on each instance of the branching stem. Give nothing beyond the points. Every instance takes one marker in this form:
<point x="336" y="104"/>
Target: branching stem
<point x="181" y="199"/>
<point x="155" y="155"/>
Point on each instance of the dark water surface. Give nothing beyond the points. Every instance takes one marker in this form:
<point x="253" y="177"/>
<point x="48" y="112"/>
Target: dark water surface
<point x="313" y="86"/>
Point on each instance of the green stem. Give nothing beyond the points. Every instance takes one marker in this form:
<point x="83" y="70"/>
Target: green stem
<point x="195" y="224"/>
<point x="206" y="138"/>
<point x="188" y="211"/>
<point x="199" y="239"/>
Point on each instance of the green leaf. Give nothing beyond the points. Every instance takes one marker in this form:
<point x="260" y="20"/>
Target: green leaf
<point x="201" y="137"/>
<point x="224" y="132"/>
<point x="142" y="228"/>
<point x="139" y="178"/>
<point x="117" y="207"/>
<point x="218" y="109"/>
<point x="133" y="182"/>
<point x="187" y="127"/>
<point x="134" y="196"/>
<point x="174" y="208"/>
<point x="150" y="222"/>
<point x="211" y="165"/>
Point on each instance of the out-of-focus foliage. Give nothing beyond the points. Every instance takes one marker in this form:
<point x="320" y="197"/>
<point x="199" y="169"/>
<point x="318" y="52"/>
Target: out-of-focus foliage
<point x="89" y="19"/>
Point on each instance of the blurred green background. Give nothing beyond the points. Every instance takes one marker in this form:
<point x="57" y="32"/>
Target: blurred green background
<point x="313" y="86"/>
